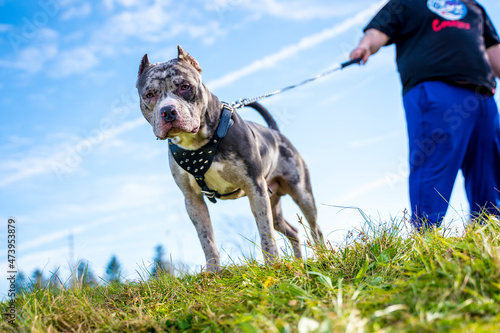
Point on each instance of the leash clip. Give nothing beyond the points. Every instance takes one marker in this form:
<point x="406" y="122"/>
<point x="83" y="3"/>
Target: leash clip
<point x="239" y="103"/>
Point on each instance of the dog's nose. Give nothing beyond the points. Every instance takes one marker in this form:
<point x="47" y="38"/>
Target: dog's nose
<point x="168" y="113"/>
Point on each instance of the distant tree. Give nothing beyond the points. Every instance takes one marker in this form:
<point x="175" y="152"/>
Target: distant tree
<point x="20" y="282"/>
<point x="113" y="271"/>
<point x="38" y="281"/>
<point x="160" y="265"/>
<point x="84" y="275"/>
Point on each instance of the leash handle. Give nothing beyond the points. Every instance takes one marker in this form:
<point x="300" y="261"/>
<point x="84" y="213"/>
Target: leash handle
<point x="349" y="63"/>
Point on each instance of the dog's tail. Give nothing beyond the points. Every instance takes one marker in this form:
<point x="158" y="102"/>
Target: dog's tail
<point x="265" y="114"/>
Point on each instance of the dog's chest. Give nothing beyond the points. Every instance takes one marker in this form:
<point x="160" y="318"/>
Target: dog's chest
<point x="223" y="177"/>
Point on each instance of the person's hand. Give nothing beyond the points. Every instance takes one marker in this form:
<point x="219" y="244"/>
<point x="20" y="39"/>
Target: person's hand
<point x="360" y="52"/>
<point x="371" y="42"/>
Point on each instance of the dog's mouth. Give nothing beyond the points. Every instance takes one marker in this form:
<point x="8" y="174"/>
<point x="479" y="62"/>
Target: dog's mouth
<point x="173" y="132"/>
<point x="170" y="130"/>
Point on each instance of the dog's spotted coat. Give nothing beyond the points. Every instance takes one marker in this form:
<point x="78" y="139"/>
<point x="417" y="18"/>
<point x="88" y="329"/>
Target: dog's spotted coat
<point x="250" y="161"/>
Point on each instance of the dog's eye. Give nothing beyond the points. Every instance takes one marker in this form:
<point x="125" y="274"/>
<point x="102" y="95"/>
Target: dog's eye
<point x="185" y="87"/>
<point x="149" y="95"/>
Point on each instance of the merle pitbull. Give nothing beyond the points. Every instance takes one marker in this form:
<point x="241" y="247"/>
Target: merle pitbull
<point x="251" y="160"/>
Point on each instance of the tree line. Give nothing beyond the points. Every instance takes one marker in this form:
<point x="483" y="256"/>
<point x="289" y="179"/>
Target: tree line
<point x="83" y="275"/>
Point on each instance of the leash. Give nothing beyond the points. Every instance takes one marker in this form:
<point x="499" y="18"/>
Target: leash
<point x="245" y="101"/>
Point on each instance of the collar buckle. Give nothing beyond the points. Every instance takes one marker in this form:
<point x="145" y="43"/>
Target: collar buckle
<point x="227" y="107"/>
<point x="208" y="194"/>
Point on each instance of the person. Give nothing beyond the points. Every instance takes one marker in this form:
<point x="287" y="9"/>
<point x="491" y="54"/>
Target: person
<point x="448" y="56"/>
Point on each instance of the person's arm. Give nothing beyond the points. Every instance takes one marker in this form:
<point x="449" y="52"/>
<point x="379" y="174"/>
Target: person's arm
<point x="371" y="42"/>
<point x="493" y="53"/>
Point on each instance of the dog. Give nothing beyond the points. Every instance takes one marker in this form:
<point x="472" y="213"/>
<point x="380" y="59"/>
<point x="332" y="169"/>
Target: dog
<point x="248" y="159"/>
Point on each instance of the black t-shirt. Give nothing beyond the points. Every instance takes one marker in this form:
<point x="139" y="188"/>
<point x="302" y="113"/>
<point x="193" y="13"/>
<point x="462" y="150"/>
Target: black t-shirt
<point x="439" y="40"/>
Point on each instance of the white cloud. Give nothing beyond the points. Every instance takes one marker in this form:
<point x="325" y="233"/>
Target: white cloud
<point x="118" y="197"/>
<point x="50" y="238"/>
<point x="33" y="58"/>
<point x="134" y="21"/>
<point x="155" y="23"/>
<point x="42" y="259"/>
<point x="295" y="10"/>
<point x="367" y="187"/>
<point x="121" y="198"/>
<point x="63" y="159"/>
<point x="5" y="27"/>
<point x="162" y="21"/>
<point x="290" y="50"/>
<point x="287" y="10"/>
<point x="84" y="10"/>
<point x="110" y="4"/>
<point x="145" y="23"/>
<point x="77" y="60"/>
<point x="47" y="34"/>
<point x="20" y="170"/>
<point x="365" y="142"/>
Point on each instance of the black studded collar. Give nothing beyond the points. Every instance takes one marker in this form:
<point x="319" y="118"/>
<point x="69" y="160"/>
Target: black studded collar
<point x="197" y="162"/>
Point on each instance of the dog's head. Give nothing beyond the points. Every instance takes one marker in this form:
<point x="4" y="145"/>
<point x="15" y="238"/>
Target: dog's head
<point x="172" y="95"/>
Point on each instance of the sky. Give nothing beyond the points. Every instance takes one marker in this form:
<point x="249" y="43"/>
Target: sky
<point x="83" y="176"/>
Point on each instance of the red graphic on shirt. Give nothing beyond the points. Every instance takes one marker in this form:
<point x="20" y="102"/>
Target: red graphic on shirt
<point x="440" y="25"/>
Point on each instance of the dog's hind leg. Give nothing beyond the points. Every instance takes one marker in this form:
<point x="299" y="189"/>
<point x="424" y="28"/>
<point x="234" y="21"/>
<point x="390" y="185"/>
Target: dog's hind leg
<point x="198" y="213"/>
<point x="281" y="225"/>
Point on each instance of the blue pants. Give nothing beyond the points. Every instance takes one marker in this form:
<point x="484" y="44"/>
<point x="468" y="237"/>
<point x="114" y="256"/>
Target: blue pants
<point x="451" y="128"/>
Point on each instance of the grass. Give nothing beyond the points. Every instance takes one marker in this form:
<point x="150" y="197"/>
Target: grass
<point x="380" y="280"/>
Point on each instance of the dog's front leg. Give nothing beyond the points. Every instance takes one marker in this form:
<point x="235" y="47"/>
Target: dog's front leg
<point x="261" y="209"/>
<point x="198" y="213"/>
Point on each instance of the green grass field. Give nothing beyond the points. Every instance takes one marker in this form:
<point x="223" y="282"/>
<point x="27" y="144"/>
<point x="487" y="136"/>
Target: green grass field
<point x="380" y="280"/>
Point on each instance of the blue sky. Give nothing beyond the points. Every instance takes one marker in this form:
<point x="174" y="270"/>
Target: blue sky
<point x="76" y="156"/>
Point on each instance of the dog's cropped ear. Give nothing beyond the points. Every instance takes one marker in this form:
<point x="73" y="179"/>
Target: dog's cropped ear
<point x="186" y="57"/>
<point x="144" y="64"/>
